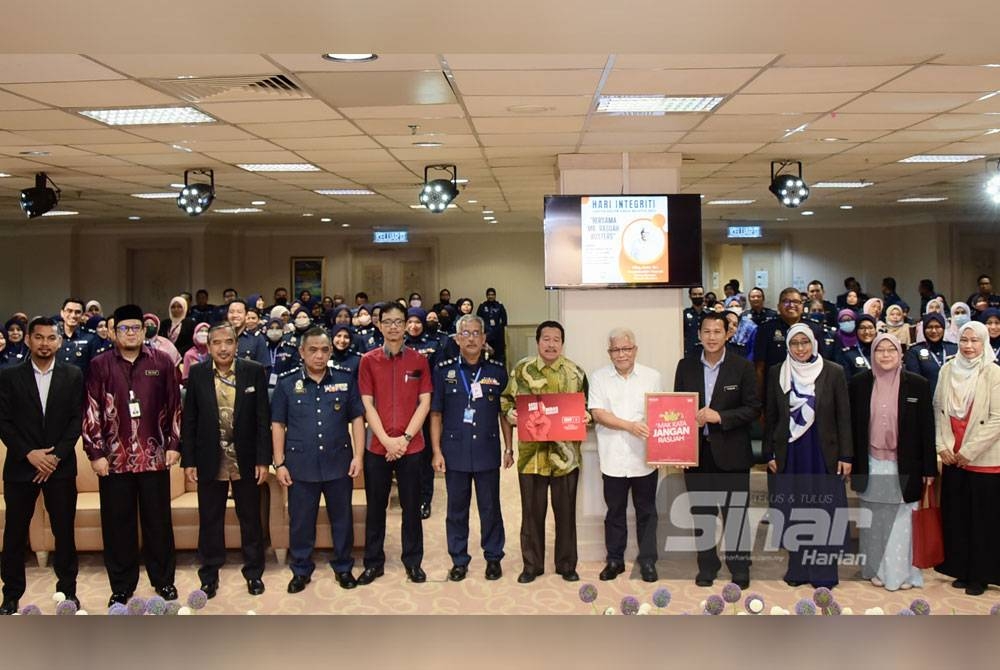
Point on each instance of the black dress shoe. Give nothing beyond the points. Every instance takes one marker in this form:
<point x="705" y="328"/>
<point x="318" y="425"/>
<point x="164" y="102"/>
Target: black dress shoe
<point x="425" y="510"/>
<point x="742" y="581"/>
<point x="793" y="582"/>
<point x="255" y="586"/>
<point x="346" y="580"/>
<point x="119" y="597"/>
<point x="704" y="580"/>
<point x="648" y="572"/>
<point x="416" y="574"/>
<point x="526" y="577"/>
<point x="168" y="592"/>
<point x="493" y="570"/>
<point x="571" y="576"/>
<point x="959" y="584"/>
<point x="370" y="575"/>
<point x="457" y="573"/>
<point x="611" y="570"/>
<point x="210" y="589"/>
<point x="8" y="607"/>
<point x="298" y="583"/>
<point x="975" y="589"/>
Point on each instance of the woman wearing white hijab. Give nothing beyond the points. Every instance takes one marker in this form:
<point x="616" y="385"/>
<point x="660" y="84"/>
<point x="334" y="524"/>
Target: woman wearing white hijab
<point x="960" y="315"/>
<point x="967" y="414"/>
<point x="807" y="441"/>
<point x="893" y="426"/>
<point x="178" y="328"/>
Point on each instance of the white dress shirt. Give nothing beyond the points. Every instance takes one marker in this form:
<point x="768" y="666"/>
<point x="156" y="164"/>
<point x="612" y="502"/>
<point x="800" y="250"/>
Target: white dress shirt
<point x="43" y="380"/>
<point x="621" y="453"/>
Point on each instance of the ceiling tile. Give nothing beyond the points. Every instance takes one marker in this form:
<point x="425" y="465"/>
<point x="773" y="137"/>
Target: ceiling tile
<point x="947" y="78"/>
<point x="125" y="149"/>
<point x="682" y="61"/>
<point x="17" y="68"/>
<point x="821" y="79"/>
<point x="96" y="136"/>
<point x="168" y="66"/>
<point x="528" y="105"/>
<point x="407" y="141"/>
<point x="745" y="103"/>
<point x="526" y="61"/>
<point x="371" y="89"/>
<point x="835" y="60"/>
<point x="302" y="129"/>
<point x="346" y="155"/>
<point x="608" y="139"/>
<point x="11" y="102"/>
<point x="404" y="111"/>
<point x="314" y="62"/>
<point x="438" y="155"/>
<point x="903" y="103"/>
<point x="731" y="148"/>
<point x="676" y="82"/>
<point x="93" y="94"/>
<point x="234" y="157"/>
<point x="959" y="122"/>
<point x="527" y="139"/>
<point x="285" y="111"/>
<point x="782" y="122"/>
<point x="539" y="124"/>
<point x="839" y="121"/>
<point x="810" y="148"/>
<point x="940" y="136"/>
<point x="626" y="123"/>
<point x="46" y="119"/>
<point x="401" y="126"/>
<point x="192" y="133"/>
<point x="725" y="136"/>
<point x="527" y="82"/>
<point x="349" y="142"/>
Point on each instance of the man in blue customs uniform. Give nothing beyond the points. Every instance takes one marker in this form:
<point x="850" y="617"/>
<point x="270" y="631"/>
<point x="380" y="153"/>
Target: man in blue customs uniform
<point x="465" y="437"/>
<point x="318" y="432"/>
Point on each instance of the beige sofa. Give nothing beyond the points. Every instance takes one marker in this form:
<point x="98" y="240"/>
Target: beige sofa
<point x="37" y="520"/>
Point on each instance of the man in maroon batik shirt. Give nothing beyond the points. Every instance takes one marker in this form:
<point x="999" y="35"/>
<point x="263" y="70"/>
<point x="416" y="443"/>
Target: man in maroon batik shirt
<point x="131" y="433"/>
<point x="395" y="386"/>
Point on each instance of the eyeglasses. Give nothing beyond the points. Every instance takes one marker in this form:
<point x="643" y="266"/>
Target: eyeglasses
<point x="621" y="350"/>
<point x="791" y="303"/>
<point x="471" y="333"/>
<point x="800" y="344"/>
<point x="129" y="329"/>
<point x="393" y="323"/>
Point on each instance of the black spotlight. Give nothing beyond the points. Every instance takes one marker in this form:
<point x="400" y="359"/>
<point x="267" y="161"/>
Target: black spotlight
<point x="39" y="199"/>
<point x="196" y="198"/>
<point x="790" y="189"/>
<point x="438" y="193"/>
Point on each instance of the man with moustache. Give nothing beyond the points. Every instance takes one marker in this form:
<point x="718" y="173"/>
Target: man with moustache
<point x="131" y="433"/>
<point x="41" y="403"/>
<point x="226" y="443"/>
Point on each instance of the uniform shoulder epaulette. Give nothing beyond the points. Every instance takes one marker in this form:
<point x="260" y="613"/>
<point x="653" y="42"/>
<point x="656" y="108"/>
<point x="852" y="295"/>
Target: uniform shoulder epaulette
<point x="446" y="363"/>
<point x="490" y="361"/>
<point x="293" y="371"/>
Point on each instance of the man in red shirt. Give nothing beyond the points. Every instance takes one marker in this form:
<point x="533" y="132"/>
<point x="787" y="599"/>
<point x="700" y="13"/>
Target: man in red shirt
<point x="131" y="433"/>
<point x="395" y="385"/>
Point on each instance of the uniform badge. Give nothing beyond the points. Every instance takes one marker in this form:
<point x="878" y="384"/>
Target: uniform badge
<point x="689" y="316"/>
<point x="336" y="406"/>
<point x="924" y="353"/>
<point x="859" y="361"/>
<point x="300" y="387"/>
<point x="451" y="374"/>
<point x="778" y="336"/>
<point x="79" y="353"/>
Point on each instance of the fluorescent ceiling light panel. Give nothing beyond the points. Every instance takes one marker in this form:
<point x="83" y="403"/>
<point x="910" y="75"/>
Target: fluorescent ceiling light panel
<point x="3" y="174"/>
<point x="654" y="104"/>
<point x="423" y="207"/>
<point x="344" y="191"/>
<point x="155" y="196"/>
<point x="238" y="210"/>
<point x="731" y="202"/>
<point x="60" y="212"/>
<point x="148" y="116"/>
<point x="942" y="158"/>
<point x="278" y="167"/>
<point x="922" y="199"/>
<point x="841" y="184"/>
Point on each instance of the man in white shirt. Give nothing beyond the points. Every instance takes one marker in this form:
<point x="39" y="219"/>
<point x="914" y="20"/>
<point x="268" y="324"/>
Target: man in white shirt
<point x="617" y="402"/>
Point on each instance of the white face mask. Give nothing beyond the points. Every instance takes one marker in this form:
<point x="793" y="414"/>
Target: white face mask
<point x="201" y="337"/>
<point x="416" y="302"/>
<point x="301" y="322"/>
<point x="274" y="334"/>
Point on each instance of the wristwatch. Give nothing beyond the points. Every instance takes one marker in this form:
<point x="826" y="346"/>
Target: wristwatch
<point x="280" y="465"/>
<point x="407" y="437"/>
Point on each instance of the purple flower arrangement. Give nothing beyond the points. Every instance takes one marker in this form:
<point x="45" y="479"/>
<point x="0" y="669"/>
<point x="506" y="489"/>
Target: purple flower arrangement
<point x="156" y="606"/>
<point x="197" y="599"/>
<point x="714" y="605"/>
<point x="630" y="605"/>
<point x="995" y="610"/>
<point x="66" y="608"/>
<point x="30" y="610"/>
<point x="754" y="604"/>
<point x="136" y="606"/>
<point x="920" y="607"/>
<point x="661" y="597"/>
<point x="805" y="607"/>
<point x="117" y="610"/>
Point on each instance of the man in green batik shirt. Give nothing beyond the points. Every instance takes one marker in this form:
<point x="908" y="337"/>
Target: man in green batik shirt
<point x="545" y="465"/>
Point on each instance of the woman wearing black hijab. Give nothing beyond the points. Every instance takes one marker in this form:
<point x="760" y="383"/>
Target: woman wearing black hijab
<point x="344" y="356"/>
<point x="16" y="331"/>
<point x="859" y="357"/>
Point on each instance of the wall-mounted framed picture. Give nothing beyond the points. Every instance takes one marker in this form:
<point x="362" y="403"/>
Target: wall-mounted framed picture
<point x="307" y="275"/>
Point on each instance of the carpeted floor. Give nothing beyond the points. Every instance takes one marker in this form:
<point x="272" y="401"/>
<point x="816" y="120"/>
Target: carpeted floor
<point x="549" y="594"/>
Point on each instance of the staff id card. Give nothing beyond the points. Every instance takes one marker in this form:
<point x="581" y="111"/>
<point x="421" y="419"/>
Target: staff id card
<point x="476" y="390"/>
<point x="134" y="410"/>
<point x="469" y="416"/>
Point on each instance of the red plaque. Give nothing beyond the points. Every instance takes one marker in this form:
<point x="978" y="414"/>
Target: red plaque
<point x="551" y="417"/>
<point x="673" y="429"/>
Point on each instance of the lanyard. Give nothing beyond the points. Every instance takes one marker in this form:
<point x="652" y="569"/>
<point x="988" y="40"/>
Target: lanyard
<point x="936" y="359"/>
<point x="867" y="362"/>
<point x="465" y="382"/>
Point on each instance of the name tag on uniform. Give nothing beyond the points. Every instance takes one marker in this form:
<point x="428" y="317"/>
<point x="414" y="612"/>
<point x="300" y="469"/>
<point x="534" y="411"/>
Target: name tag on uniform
<point x="493" y="322"/>
<point x="924" y="353"/>
<point x="859" y="360"/>
<point x="477" y="391"/>
<point x="273" y="379"/>
<point x="152" y="373"/>
<point x="250" y="389"/>
<point x="913" y="400"/>
<point x="469" y="415"/>
<point x="734" y="387"/>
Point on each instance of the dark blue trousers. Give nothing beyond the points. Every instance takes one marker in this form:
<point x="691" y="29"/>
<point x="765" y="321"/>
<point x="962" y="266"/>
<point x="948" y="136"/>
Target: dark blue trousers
<point x="459" y="486"/>
<point x="303" y="509"/>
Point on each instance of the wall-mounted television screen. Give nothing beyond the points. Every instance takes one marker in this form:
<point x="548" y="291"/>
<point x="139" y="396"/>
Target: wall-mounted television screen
<point x="622" y="241"/>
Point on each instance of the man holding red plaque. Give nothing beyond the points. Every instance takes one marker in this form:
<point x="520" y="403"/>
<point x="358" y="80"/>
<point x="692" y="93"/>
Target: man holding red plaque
<point x="617" y="402"/>
<point x="727" y="391"/>
<point x="549" y="464"/>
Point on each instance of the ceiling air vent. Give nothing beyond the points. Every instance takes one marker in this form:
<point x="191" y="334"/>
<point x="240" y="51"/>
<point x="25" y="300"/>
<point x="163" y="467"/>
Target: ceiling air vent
<point x="232" y="89"/>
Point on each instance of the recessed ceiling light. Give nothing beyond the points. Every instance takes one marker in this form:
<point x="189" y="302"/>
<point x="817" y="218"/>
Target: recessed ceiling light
<point x="135" y="218"/>
<point x="148" y="116"/>
<point x="350" y="58"/>
<point x="781" y="218"/>
<point x="808" y="212"/>
<point x="345" y="225"/>
<point x="471" y="202"/>
<point x="306" y="214"/>
<point x="654" y="104"/>
<point x="792" y="131"/>
<point x="428" y="145"/>
<point x="278" y="167"/>
<point x="451" y="206"/>
<point x="992" y="131"/>
<point x="326" y="220"/>
<point x="258" y="203"/>
<point x="238" y="210"/>
<point x="487" y="211"/>
<point x="842" y="184"/>
<point x="344" y="191"/>
<point x="155" y="196"/>
<point x="177" y="185"/>
<point x="833" y="139"/>
<point x="942" y="158"/>
<point x="847" y="206"/>
<point x="4" y="174"/>
<point x="731" y="202"/>
<point x="60" y="212"/>
<point x="922" y="199"/>
<point x="33" y="153"/>
<point x="185" y="76"/>
<point x="180" y="148"/>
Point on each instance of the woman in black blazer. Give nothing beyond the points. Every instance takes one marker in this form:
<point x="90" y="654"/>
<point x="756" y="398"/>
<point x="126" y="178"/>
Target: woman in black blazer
<point x="807" y="443"/>
<point x="892" y="422"/>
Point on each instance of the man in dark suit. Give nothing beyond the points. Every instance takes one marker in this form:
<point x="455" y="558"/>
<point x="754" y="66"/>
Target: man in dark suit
<point x="727" y="397"/>
<point x="41" y="414"/>
<point x="226" y="441"/>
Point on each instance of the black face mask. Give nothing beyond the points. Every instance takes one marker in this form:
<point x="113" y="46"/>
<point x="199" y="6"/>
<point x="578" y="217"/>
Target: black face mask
<point x="281" y="301"/>
<point x="432" y="327"/>
<point x="150" y="332"/>
<point x="697" y="302"/>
